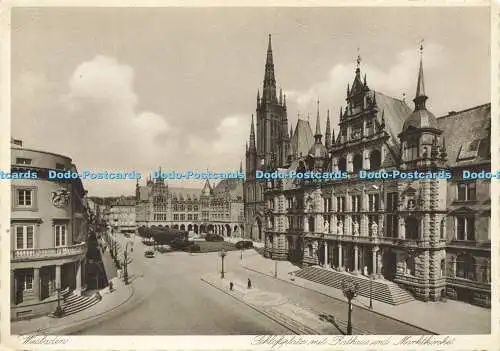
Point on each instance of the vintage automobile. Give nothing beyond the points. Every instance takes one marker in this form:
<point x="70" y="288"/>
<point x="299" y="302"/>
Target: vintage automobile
<point x="149" y="254"/>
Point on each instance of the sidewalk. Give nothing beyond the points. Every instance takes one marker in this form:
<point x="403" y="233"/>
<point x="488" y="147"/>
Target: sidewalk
<point x="59" y="326"/>
<point x="111" y="301"/>
<point x="451" y="317"/>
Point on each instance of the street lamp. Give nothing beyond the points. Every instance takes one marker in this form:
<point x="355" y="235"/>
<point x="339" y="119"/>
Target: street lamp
<point x="350" y="290"/>
<point x="371" y="292"/>
<point x="222" y="255"/>
<point x="125" y="264"/>
<point x="58" y="312"/>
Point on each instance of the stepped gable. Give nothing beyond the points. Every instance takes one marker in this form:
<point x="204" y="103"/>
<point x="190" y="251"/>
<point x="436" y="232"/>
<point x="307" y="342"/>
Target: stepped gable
<point x="392" y="112"/>
<point x="184" y="193"/>
<point x="467" y="135"/>
<point x="233" y="187"/>
<point x="302" y="139"/>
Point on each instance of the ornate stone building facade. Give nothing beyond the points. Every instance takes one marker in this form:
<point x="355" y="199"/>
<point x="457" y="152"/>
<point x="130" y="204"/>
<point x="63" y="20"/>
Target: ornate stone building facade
<point x="217" y="210"/>
<point x="431" y="236"/>
<point x="49" y="224"/>
<point x="269" y="147"/>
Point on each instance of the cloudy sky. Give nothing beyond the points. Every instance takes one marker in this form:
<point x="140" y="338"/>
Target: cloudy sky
<point x="133" y="89"/>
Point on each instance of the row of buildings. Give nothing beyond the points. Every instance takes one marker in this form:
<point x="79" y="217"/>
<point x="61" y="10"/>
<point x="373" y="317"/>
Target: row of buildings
<point x="49" y="226"/>
<point x="431" y="236"/>
<point x="212" y="209"/>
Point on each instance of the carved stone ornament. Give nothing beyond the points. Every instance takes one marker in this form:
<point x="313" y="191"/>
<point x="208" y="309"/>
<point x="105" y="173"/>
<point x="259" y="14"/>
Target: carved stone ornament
<point x="60" y="198"/>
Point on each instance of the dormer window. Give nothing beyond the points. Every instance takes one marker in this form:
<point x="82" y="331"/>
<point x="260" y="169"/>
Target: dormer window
<point x="469" y="150"/>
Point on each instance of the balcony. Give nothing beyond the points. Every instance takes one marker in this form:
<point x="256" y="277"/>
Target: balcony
<point x="48" y="253"/>
<point x="470" y="284"/>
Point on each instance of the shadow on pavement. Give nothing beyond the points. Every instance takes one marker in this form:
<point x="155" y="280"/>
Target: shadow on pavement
<point x="331" y="319"/>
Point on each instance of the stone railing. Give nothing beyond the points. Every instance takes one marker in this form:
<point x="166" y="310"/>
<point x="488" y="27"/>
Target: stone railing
<point x="47" y="253"/>
<point x="468" y="283"/>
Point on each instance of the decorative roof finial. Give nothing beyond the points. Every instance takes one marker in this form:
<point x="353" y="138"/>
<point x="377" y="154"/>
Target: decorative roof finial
<point x="358" y="60"/>
<point x="421" y="47"/>
<point x="404" y="97"/>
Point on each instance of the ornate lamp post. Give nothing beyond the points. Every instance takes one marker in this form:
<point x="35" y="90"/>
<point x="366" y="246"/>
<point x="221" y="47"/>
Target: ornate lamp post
<point x="350" y="290"/>
<point x="222" y="255"/>
<point x="58" y="312"/>
<point x="125" y="264"/>
<point x="371" y="292"/>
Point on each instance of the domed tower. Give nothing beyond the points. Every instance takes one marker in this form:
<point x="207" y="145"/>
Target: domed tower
<point x="422" y="202"/>
<point x="318" y="153"/>
<point x="420" y="136"/>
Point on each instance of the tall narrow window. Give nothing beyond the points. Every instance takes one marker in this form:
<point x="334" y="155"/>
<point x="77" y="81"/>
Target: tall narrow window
<point x="60" y="233"/>
<point x="373" y="202"/>
<point x="466" y="191"/>
<point x="24" y="236"/>
<point x="465" y="228"/>
<point x="340" y="203"/>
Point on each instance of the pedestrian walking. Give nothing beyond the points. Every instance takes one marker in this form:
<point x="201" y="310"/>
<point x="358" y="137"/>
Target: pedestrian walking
<point x="231" y="286"/>
<point x="249" y="283"/>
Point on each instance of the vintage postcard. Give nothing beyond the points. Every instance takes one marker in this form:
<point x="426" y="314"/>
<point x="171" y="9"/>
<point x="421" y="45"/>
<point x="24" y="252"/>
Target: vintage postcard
<point x="250" y="176"/>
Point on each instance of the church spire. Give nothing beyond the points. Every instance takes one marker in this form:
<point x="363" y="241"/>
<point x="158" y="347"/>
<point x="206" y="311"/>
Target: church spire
<point x="252" y="137"/>
<point x="269" y="93"/>
<point x="318" y="135"/>
<point x="328" y="134"/>
<point x="420" y="96"/>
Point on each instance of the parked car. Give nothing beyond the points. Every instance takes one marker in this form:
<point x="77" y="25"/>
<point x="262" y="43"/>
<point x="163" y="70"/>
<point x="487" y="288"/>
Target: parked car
<point x="149" y="254"/>
<point x="244" y="244"/>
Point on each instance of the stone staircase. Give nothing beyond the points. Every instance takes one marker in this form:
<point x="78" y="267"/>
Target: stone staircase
<point x="74" y="303"/>
<point x="383" y="291"/>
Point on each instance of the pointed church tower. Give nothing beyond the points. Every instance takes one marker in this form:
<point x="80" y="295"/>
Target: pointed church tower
<point x="272" y="123"/>
<point x="328" y="134"/>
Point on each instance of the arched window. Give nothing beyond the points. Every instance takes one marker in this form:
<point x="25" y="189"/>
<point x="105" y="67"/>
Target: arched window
<point x="310" y="249"/>
<point x="357" y="163"/>
<point x="412" y="228"/>
<point x="342" y="165"/>
<point x="442" y="229"/>
<point x="411" y="149"/>
<point x="375" y="160"/>
<point x="442" y="268"/>
<point x="466" y="267"/>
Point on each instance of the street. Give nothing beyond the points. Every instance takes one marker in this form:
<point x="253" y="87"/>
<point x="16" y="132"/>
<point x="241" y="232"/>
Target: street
<point x="171" y="299"/>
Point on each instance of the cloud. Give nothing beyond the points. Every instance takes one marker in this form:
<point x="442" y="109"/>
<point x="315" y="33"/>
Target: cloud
<point x="398" y="79"/>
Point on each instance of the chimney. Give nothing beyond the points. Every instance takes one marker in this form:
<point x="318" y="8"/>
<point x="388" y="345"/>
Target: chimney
<point x="16" y="142"/>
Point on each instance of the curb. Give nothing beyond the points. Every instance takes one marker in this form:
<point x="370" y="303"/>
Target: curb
<point x="254" y="308"/>
<point x="83" y="323"/>
<point x="336" y="298"/>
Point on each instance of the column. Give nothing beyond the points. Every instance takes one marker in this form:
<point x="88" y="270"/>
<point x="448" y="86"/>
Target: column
<point x="58" y="277"/>
<point x="356" y="257"/>
<point x="78" y="289"/>
<point x="340" y="255"/>
<point x="36" y="283"/>
<point x="374" y="260"/>
<point x="326" y="254"/>
<point x="379" y="264"/>
<point x="13" y="287"/>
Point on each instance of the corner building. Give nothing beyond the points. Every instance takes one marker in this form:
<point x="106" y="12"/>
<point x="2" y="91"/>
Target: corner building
<point x="48" y="231"/>
<point x="430" y="236"/>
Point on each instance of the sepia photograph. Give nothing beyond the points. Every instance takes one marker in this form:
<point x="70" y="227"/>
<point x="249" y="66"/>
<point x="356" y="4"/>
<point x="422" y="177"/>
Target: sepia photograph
<point x="251" y="171"/>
